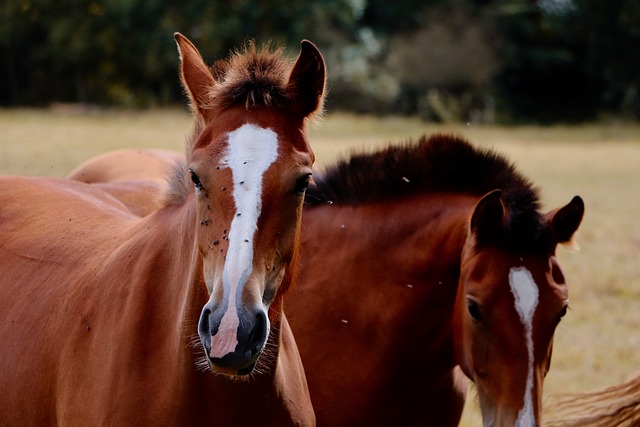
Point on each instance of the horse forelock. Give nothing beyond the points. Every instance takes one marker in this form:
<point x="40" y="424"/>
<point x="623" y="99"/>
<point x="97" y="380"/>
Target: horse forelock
<point x="252" y="77"/>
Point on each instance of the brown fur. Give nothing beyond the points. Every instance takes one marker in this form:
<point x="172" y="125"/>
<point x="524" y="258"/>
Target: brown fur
<point x="437" y="164"/>
<point x="251" y="77"/>
<point x="380" y="341"/>
<point x="377" y="339"/>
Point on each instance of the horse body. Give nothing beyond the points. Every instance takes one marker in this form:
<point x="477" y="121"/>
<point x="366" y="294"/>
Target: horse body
<point x="436" y="270"/>
<point x="127" y="173"/>
<point x="116" y="166"/>
<point x="102" y="309"/>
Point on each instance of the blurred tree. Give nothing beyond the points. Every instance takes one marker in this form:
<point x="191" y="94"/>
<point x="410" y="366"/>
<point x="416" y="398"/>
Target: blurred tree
<point x="610" y="32"/>
<point x="122" y="51"/>
<point x="540" y="60"/>
<point x="446" y="67"/>
<point x="569" y="60"/>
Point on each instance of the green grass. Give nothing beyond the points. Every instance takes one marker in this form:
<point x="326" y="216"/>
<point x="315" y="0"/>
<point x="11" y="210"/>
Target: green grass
<point x="597" y="343"/>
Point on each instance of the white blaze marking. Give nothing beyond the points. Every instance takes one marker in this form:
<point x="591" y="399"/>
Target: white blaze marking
<point x="250" y="152"/>
<point x="525" y="292"/>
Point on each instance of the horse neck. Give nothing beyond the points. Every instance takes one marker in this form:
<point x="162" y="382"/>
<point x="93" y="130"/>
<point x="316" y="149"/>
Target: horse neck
<point x="171" y="284"/>
<point x="398" y="264"/>
<point x="421" y="237"/>
<point x="415" y="223"/>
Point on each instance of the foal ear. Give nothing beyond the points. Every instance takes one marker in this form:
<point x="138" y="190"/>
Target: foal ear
<point x="194" y="74"/>
<point x="564" y="222"/>
<point x="307" y="79"/>
<point x="488" y="217"/>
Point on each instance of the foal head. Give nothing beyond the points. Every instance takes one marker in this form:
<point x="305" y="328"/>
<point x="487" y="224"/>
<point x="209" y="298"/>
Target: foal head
<point x="512" y="295"/>
<point x="249" y="164"/>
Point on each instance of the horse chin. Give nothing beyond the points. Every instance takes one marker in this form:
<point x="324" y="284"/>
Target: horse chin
<point x="233" y="368"/>
<point x="234" y="374"/>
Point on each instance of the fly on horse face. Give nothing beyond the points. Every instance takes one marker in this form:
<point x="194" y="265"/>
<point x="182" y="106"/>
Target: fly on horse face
<point x="443" y="259"/>
<point x="99" y="307"/>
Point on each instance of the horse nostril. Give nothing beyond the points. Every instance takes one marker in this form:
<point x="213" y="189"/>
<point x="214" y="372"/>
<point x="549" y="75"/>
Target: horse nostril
<point x="203" y="327"/>
<point x="259" y="333"/>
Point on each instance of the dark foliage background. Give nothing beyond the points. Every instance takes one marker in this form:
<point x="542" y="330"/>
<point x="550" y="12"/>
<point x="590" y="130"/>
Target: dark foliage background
<point x="458" y="60"/>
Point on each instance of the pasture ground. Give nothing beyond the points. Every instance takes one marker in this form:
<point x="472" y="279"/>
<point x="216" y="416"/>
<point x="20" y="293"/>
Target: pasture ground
<point x="598" y="343"/>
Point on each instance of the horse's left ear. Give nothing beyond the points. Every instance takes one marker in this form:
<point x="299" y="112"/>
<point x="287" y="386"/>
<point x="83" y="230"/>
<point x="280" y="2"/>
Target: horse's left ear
<point x="563" y="222"/>
<point x="307" y="79"/>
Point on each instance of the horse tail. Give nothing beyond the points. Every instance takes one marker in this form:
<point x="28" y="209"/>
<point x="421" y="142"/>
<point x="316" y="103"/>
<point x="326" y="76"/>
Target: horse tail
<point x="617" y="405"/>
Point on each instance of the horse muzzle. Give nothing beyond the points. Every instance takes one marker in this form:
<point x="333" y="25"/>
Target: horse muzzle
<point x="233" y="340"/>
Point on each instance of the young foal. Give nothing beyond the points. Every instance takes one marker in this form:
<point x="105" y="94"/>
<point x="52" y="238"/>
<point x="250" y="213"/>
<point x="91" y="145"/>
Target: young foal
<point x="431" y="255"/>
<point x="98" y="307"/>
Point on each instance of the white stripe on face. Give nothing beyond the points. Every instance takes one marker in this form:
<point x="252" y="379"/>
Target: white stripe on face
<point x="250" y="152"/>
<point x="525" y="292"/>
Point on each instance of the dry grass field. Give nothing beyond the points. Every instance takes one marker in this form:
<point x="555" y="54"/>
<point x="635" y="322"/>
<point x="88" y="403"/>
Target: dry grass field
<point x="598" y="343"/>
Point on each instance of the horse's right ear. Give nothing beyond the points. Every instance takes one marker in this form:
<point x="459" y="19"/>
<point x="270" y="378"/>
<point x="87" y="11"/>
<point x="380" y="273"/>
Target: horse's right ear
<point x="195" y="75"/>
<point x="307" y="80"/>
<point x="488" y="217"/>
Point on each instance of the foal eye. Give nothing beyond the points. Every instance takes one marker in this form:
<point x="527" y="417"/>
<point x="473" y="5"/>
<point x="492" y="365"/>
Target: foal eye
<point x="302" y="183"/>
<point x="474" y="309"/>
<point x="195" y="180"/>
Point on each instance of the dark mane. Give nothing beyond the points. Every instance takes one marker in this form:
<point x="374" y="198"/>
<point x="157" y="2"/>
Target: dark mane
<point x="251" y="76"/>
<point x="438" y="164"/>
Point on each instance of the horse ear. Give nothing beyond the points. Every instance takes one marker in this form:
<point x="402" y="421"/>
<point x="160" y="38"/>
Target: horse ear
<point x="488" y="217"/>
<point x="194" y="74"/>
<point x="307" y="79"/>
<point x="564" y="222"/>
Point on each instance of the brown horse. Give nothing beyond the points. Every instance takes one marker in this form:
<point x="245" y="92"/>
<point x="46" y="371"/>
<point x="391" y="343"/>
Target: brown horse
<point x="429" y="277"/>
<point x="614" y="406"/>
<point x="99" y="308"/>
<point x="138" y="178"/>
<point x="418" y="258"/>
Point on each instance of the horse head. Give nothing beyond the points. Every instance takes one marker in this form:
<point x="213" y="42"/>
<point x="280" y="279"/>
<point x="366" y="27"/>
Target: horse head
<point x="249" y="164"/>
<point x="511" y="297"/>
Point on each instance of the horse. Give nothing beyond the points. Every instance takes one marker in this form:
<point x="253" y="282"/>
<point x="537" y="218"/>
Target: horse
<point x="614" y="406"/>
<point x="418" y="259"/>
<point x="444" y="262"/>
<point x="109" y="318"/>
<point x="138" y="178"/>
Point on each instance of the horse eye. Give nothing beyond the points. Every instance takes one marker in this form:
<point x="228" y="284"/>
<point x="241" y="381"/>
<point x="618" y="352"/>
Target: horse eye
<point x="474" y="309"/>
<point x="196" y="180"/>
<point x="302" y="183"/>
